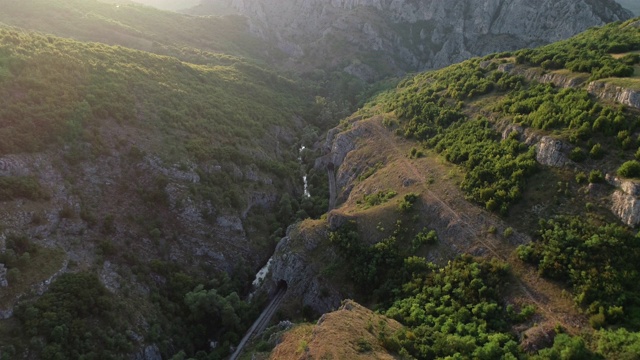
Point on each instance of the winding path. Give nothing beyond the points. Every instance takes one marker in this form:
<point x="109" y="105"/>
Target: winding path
<point x="472" y="227"/>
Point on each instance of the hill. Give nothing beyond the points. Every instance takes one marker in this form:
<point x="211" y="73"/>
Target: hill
<point x="150" y="163"/>
<point x="524" y="160"/>
<point x="199" y="40"/>
<point x="144" y="171"/>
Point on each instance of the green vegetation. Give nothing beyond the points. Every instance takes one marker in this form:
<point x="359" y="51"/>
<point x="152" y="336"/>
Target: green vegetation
<point x="407" y="202"/>
<point x="599" y="261"/>
<point x="15" y="187"/>
<point x="377" y="198"/>
<point x="199" y="40"/>
<point x="630" y="169"/>
<point x="496" y="170"/>
<point x="76" y="318"/>
<point x="454" y="311"/>
<point x="542" y="106"/>
<point x="588" y="52"/>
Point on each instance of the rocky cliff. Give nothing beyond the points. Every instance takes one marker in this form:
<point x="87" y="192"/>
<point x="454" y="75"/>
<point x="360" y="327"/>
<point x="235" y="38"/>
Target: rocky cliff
<point x="407" y="35"/>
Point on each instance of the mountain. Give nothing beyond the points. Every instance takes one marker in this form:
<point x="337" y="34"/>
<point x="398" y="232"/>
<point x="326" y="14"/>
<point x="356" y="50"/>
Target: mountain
<point x="152" y="162"/>
<point x="369" y="38"/>
<point x="525" y="160"/>
<point x="118" y="167"/>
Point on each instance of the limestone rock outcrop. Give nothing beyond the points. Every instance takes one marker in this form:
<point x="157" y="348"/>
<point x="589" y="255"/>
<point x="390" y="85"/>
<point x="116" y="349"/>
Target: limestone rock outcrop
<point x="606" y="91"/>
<point x="625" y="201"/>
<point x="552" y="152"/>
<point x="293" y="262"/>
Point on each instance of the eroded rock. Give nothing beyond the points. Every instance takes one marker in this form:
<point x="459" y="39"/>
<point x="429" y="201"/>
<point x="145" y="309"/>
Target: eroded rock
<point x="616" y="93"/>
<point x="552" y="152"/>
<point x="624" y="201"/>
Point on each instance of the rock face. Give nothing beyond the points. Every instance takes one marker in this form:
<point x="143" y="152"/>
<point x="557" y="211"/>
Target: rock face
<point x="151" y="352"/>
<point x="552" y="152"/>
<point x="292" y="262"/>
<point x="625" y="203"/>
<point x="3" y="276"/>
<point x="409" y="35"/>
<point x="612" y="92"/>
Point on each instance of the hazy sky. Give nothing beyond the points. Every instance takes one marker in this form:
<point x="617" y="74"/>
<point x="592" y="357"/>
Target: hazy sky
<point x="633" y="5"/>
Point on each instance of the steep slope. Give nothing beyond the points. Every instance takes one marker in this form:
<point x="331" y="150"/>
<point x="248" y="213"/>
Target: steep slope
<point x="351" y="332"/>
<point x="202" y="40"/>
<point x="519" y="157"/>
<point x="370" y="38"/>
<point x="153" y="173"/>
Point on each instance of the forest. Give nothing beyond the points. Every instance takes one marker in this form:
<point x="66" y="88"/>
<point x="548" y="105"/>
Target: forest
<point x="215" y="108"/>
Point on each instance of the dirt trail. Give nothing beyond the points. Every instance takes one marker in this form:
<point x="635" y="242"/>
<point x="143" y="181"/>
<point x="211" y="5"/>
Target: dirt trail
<point x="529" y="283"/>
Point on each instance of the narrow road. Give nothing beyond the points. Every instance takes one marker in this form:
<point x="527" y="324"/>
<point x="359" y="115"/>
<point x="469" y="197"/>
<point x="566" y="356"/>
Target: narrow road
<point x="261" y="323"/>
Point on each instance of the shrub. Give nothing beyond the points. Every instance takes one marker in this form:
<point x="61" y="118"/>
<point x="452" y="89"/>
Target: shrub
<point x="595" y="176"/>
<point x="577" y="154"/>
<point x="596" y="152"/>
<point x="629" y="169"/>
<point x="508" y="232"/>
<point x="407" y="202"/>
<point x="597" y="321"/>
<point x="13" y="275"/>
<point x="581" y="178"/>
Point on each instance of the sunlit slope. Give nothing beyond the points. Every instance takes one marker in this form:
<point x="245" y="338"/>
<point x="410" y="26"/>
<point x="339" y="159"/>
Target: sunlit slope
<point x="54" y="88"/>
<point x="136" y="26"/>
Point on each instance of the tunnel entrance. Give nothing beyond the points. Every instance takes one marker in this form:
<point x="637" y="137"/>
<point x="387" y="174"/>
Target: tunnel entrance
<point x="331" y="167"/>
<point x="282" y="285"/>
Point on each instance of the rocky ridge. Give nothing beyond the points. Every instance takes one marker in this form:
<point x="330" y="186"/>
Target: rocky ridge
<point x="410" y="35"/>
<point x="625" y="201"/>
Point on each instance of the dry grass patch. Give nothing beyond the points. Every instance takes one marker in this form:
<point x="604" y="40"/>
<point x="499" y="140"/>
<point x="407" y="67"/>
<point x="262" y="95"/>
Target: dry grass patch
<point x="352" y="332"/>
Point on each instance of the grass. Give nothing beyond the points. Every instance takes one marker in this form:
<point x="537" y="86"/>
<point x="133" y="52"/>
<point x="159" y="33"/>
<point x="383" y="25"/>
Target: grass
<point x="627" y="83"/>
<point x="42" y="266"/>
<point x="349" y="333"/>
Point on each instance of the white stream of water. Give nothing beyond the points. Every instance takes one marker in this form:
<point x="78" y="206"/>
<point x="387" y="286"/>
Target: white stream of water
<point x="304" y="177"/>
<point x="262" y="273"/>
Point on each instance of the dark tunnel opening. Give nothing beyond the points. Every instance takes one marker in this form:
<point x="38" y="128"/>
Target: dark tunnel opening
<point x="282" y="285"/>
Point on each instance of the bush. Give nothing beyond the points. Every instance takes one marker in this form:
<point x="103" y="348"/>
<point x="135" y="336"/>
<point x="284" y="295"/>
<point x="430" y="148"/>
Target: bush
<point x="13" y="275"/>
<point x="507" y="232"/>
<point x="596" y="176"/>
<point x="581" y="178"/>
<point x="596" y="152"/>
<point x="407" y="202"/>
<point x="629" y="169"/>
<point x="597" y="321"/>
<point x="577" y="154"/>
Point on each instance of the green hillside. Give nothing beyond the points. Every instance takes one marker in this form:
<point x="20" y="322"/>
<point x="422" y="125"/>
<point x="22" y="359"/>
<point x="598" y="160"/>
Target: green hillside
<point x="151" y="162"/>
<point x="83" y="103"/>
<point x="478" y="126"/>
<point x="56" y="90"/>
<point x="194" y="39"/>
